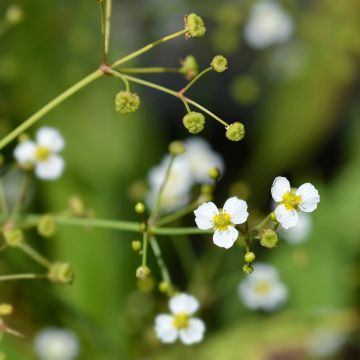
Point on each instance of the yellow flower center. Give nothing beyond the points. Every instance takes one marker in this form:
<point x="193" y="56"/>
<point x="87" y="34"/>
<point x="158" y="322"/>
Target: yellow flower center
<point x="262" y="288"/>
<point x="222" y="220"/>
<point x="181" y="321"/>
<point x="42" y="153"/>
<point x="291" y="200"/>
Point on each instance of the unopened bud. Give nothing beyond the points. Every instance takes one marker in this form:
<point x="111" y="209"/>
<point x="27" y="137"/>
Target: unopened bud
<point x="194" y="26"/>
<point x="142" y="272"/>
<point x="61" y="273"/>
<point x="248" y="269"/>
<point x="269" y="238"/>
<point x="136" y="245"/>
<point x="177" y="148"/>
<point x="194" y="122"/>
<point x="76" y="206"/>
<point x="126" y="102"/>
<point x="6" y="309"/>
<point x="219" y="63"/>
<point x="164" y="287"/>
<point x="140" y="208"/>
<point x="189" y="68"/>
<point x="214" y="173"/>
<point x="273" y="217"/>
<point x="235" y="132"/>
<point x="14" y="237"/>
<point x="46" y="226"/>
<point x="249" y="257"/>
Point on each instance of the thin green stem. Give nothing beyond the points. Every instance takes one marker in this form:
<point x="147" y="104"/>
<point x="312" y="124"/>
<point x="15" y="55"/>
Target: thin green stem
<point x="173" y="93"/>
<point x="178" y="214"/>
<point x="160" y="261"/>
<point x="3" y="203"/>
<point x="194" y="80"/>
<point x="179" y="231"/>
<point x="144" y="248"/>
<point x="150" y="70"/>
<point x="22" y="277"/>
<point x="102" y="18"/>
<point x="33" y="119"/>
<point x="147" y="48"/>
<point x="28" y="250"/>
<point x="124" y="80"/>
<point x="186" y="104"/>
<point x="107" y="28"/>
<point x="262" y="223"/>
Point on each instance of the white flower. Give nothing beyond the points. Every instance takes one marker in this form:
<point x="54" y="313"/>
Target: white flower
<point x="201" y="159"/>
<point x="267" y="25"/>
<point x="299" y="233"/>
<point x="180" y="324"/>
<point x="43" y="153"/>
<point x="208" y="216"/>
<point x="290" y="201"/>
<point x="56" y="344"/>
<point x="176" y="192"/>
<point x="262" y="289"/>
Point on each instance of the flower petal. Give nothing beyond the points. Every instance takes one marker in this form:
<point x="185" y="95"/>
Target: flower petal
<point x="204" y="215"/>
<point x="51" y="138"/>
<point x="237" y="209"/>
<point x="50" y="169"/>
<point x="225" y="238"/>
<point x="194" y="333"/>
<point x="183" y="303"/>
<point x="24" y="152"/>
<point x="287" y="218"/>
<point x="165" y="329"/>
<point x="309" y="196"/>
<point x="279" y="187"/>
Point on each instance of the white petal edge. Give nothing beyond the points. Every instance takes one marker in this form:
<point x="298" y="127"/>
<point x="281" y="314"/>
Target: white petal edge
<point x="310" y="197"/>
<point x="165" y="329"/>
<point x="194" y="333"/>
<point x="204" y="215"/>
<point x="287" y="218"/>
<point x="225" y="238"/>
<point x="50" y="169"/>
<point x="280" y="186"/>
<point x="50" y="137"/>
<point x="25" y="152"/>
<point x="183" y="303"/>
<point x="237" y="209"/>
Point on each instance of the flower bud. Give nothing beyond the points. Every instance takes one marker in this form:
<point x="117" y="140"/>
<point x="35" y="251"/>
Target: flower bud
<point x="207" y="189"/>
<point x="140" y="208"/>
<point x="126" y="102"/>
<point x="269" y="238"/>
<point x="248" y="269"/>
<point x="61" y="273"/>
<point x="273" y="217"/>
<point x="214" y="173"/>
<point x="235" y="132"/>
<point x="194" y="26"/>
<point x="142" y="272"/>
<point x="136" y="245"/>
<point x="6" y="309"/>
<point x="46" y="226"/>
<point x="249" y="257"/>
<point x="189" y="68"/>
<point x="164" y="287"/>
<point x="194" y="122"/>
<point x="76" y="206"/>
<point x="219" y="63"/>
<point x="177" y="148"/>
<point x="14" y="237"/>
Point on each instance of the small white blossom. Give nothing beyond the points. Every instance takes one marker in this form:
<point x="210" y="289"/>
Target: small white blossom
<point x="299" y="233"/>
<point x="268" y="25"/>
<point x="201" y="159"/>
<point x="223" y="221"/>
<point x="42" y="153"/>
<point x="176" y="192"/>
<point x="262" y="289"/>
<point x="56" y="344"/>
<point x="290" y="201"/>
<point x="180" y="324"/>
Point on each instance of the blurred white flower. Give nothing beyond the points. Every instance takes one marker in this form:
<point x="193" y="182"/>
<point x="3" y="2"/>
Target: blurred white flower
<point x="262" y="289"/>
<point x="299" y="233"/>
<point x="201" y="159"/>
<point x="208" y="216"/>
<point x="176" y="192"/>
<point x="56" y="344"/>
<point x="324" y="342"/>
<point x="268" y="24"/>
<point x="43" y="153"/>
<point x="180" y="324"/>
<point x="290" y="201"/>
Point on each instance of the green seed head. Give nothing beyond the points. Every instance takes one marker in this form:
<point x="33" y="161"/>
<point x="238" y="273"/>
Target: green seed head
<point x="46" y="226"/>
<point x="61" y="273"/>
<point x="219" y="63"/>
<point x="269" y="238"/>
<point x="126" y="102"/>
<point x="235" y="132"/>
<point x="189" y="68"/>
<point x="194" y="122"/>
<point x="194" y="26"/>
<point x="14" y="237"/>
